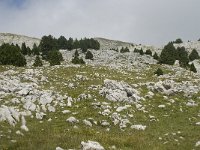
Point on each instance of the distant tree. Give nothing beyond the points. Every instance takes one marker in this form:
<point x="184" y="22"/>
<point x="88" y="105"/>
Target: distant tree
<point x="24" y="49"/>
<point x="38" y="62"/>
<point x="35" y="50"/>
<point x="168" y="54"/>
<point x="192" y="68"/>
<point x="136" y="50"/>
<point x="89" y="55"/>
<point x="70" y="44"/>
<point x="76" y="44"/>
<point x="155" y="56"/>
<point x="182" y="57"/>
<point x="54" y="57"/>
<point x="124" y="50"/>
<point x="194" y="55"/>
<point x="178" y="41"/>
<point x="148" y="52"/>
<point x="158" y="72"/>
<point x="62" y="42"/>
<point x="141" y="52"/>
<point x="11" y="55"/>
<point x="76" y="59"/>
<point x="29" y="52"/>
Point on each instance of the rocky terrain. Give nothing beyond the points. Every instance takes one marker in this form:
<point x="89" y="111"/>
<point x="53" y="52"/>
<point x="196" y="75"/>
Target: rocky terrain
<point x="18" y="39"/>
<point x="113" y="102"/>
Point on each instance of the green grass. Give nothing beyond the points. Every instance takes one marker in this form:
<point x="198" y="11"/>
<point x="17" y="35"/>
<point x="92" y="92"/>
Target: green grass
<point x="48" y="135"/>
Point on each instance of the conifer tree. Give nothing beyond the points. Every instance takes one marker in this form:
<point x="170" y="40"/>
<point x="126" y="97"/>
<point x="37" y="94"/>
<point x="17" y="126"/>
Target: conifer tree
<point x="168" y="54"/>
<point x="148" y="52"/>
<point x="193" y="68"/>
<point x="194" y="55"/>
<point x="155" y="56"/>
<point x="24" y="49"/>
<point x="89" y="55"/>
<point x="38" y="62"/>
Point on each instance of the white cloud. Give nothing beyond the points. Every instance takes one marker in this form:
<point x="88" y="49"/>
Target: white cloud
<point x="140" y="21"/>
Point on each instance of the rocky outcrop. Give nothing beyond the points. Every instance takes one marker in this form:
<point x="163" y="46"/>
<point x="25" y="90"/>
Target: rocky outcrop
<point x="119" y="91"/>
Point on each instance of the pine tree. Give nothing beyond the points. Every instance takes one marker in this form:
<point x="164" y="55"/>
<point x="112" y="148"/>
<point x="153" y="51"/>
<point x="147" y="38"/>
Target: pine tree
<point x="11" y="55"/>
<point x="24" y="49"/>
<point x="76" y="59"/>
<point x="141" y="52"/>
<point x="148" y="52"/>
<point x="38" y="62"/>
<point x="47" y="43"/>
<point x="178" y="41"/>
<point x="54" y="57"/>
<point x="194" y="55"/>
<point x="29" y="52"/>
<point x="168" y="54"/>
<point x="62" y="42"/>
<point x="124" y="50"/>
<point x="193" y="68"/>
<point x="89" y="55"/>
<point x="35" y="50"/>
<point x="182" y="57"/>
<point x="155" y="56"/>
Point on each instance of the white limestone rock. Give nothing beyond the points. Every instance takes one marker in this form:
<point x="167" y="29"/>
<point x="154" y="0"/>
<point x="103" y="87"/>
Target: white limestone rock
<point x="197" y="144"/>
<point x="72" y="120"/>
<point x="138" y="127"/>
<point x="59" y="148"/>
<point x="87" y="123"/>
<point x="9" y="114"/>
<point x="119" y="91"/>
<point x="23" y="126"/>
<point x="91" y="145"/>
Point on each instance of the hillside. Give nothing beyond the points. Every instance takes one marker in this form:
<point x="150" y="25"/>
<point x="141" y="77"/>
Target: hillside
<point x="114" y="101"/>
<point x="18" y="39"/>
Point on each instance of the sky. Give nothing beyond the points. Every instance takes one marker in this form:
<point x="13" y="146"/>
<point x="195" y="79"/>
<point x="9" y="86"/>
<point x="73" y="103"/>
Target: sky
<point x="151" y="22"/>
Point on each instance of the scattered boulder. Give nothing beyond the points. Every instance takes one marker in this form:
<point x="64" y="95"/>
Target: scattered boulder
<point x="72" y="120"/>
<point x="138" y="127"/>
<point x="91" y="145"/>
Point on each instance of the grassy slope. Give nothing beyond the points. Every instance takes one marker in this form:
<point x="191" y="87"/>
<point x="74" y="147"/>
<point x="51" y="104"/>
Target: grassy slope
<point x="173" y="127"/>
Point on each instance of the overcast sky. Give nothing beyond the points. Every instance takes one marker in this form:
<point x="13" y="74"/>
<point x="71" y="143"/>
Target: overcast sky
<point x="153" y="22"/>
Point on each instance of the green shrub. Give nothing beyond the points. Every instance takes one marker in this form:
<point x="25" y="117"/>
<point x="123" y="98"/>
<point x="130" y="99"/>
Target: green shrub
<point x="158" y="72"/>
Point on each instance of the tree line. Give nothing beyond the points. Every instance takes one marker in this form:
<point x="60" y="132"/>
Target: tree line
<point x="48" y="48"/>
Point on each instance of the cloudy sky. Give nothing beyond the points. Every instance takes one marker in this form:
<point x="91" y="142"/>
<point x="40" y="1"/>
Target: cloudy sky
<point x="153" y="22"/>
